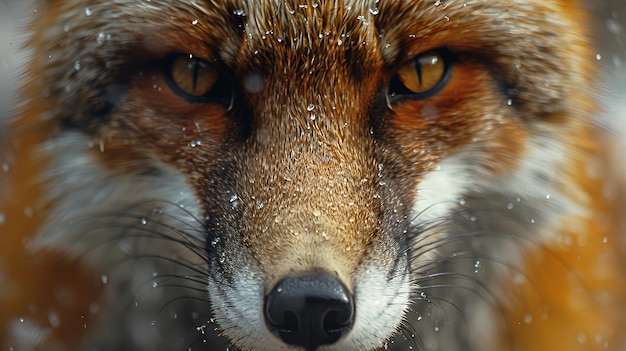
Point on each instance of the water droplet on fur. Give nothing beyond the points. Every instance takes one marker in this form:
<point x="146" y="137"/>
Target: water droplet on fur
<point x="462" y="201"/>
<point x="143" y="221"/>
<point x="532" y="220"/>
<point x="104" y="279"/>
<point x="21" y="319"/>
<point x="100" y="38"/>
<point x="155" y="284"/>
<point x="53" y="319"/>
<point x="430" y="113"/>
<point x="374" y="10"/>
<point x="438" y="2"/>
<point x="254" y="82"/>
<point x="88" y="11"/>
<point x="477" y="266"/>
<point x="509" y="206"/>
<point x="614" y="26"/>
<point x="598" y="56"/>
<point x="239" y="12"/>
<point x="194" y="22"/>
<point x="528" y="319"/>
<point x="310" y="107"/>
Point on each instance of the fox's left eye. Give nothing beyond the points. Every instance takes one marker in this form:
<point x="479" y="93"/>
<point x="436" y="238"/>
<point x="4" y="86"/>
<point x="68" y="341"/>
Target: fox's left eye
<point x="197" y="80"/>
<point x="422" y="77"/>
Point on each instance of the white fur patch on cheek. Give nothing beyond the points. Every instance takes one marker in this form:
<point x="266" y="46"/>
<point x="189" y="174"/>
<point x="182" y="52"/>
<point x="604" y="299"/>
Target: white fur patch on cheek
<point x="534" y="179"/>
<point x="26" y="335"/>
<point x="238" y="308"/>
<point x="440" y="190"/>
<point x="380" y="307"/>
<point x="82" y="190"/>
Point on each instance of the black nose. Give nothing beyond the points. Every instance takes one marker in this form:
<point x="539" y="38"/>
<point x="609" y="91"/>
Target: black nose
<point x="309" y="310"/>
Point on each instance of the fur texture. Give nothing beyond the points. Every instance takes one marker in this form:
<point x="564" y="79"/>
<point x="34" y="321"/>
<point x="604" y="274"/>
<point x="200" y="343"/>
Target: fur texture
<point x="473" y="218"/>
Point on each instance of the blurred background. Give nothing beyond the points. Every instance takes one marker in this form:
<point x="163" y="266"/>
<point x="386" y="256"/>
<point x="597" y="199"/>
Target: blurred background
<point x="609" y="23"/>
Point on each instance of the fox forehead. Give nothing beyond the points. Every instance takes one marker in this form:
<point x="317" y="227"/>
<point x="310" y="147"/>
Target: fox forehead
<point x="364" y="39"/>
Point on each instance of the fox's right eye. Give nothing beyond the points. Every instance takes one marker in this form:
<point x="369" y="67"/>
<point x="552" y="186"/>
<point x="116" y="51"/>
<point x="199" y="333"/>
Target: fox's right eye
<point x="197" y="80"/>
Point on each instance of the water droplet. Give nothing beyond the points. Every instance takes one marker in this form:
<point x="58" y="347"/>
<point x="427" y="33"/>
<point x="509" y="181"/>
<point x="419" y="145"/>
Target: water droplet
<point x="239" y="12"/>
<point x="438" y="2"/>
<point x="598" y="56"/>
<point x="104" y="278"/>
<point x="477" y="266"/>
<point x="53" y="319"/>
<point x="614" y="26"/>
<point x="462" y="201"/>
<point x="317" y="213"/>
<point x="155" y="284"/>
<point x="509" y="206"/>
<point x="310" y="107"/>
<point x="194" y="22"/>
<point x="21" y="319"/>
<point x="374" y="10"/>
<point x="100" y="38"/>
<point x="528" y="319"/>
<point x="254" y="82"/>
<point x="88" y="11"/>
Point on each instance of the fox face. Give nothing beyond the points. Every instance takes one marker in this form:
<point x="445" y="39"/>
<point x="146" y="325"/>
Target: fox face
<point x="319" y="175"/>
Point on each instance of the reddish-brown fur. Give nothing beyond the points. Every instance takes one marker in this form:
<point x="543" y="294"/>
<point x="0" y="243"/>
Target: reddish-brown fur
<point x="320" y="163"/>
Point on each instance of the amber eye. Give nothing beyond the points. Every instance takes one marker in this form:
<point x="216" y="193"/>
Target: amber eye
<point x="422" y="77"/>
<point x="197" y="80"/>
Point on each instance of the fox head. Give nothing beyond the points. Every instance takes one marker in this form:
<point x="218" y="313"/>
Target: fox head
<point x="322" y="166"/>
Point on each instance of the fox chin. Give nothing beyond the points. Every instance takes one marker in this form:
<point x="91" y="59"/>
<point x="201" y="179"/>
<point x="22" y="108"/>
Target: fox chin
<point x="310" y="176"/>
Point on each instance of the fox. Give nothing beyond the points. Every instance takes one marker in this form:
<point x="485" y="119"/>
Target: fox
<point x="310" y="176"/>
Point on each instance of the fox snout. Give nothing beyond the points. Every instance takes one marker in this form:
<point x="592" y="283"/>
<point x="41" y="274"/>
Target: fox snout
<point x="309" y="226"/>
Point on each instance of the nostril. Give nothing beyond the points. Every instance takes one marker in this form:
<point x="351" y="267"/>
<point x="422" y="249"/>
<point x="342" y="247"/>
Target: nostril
<point x="310" y="310"/>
